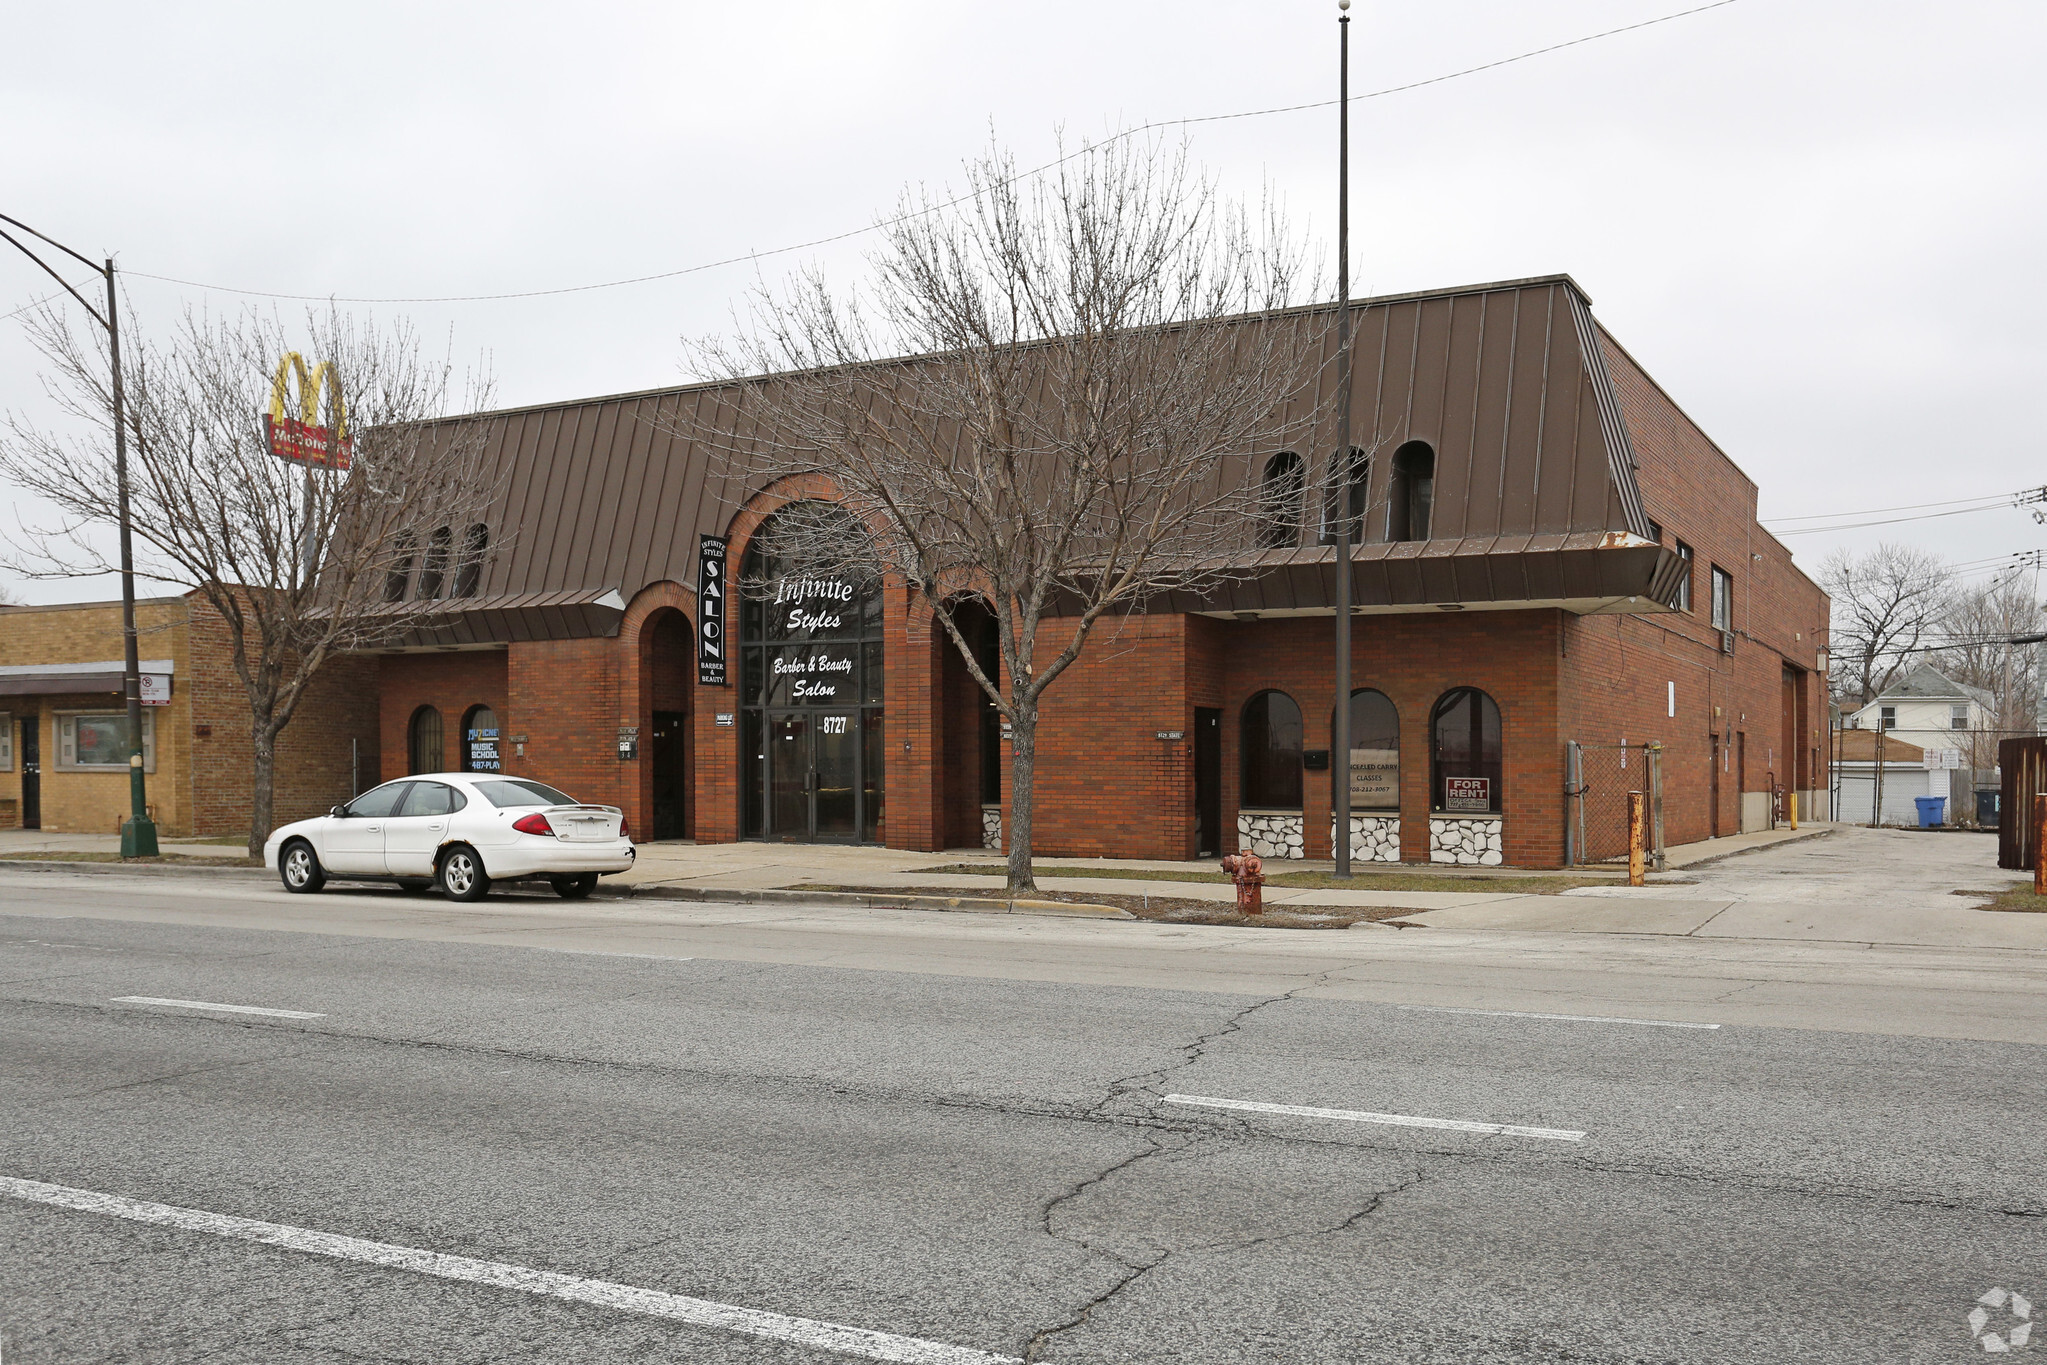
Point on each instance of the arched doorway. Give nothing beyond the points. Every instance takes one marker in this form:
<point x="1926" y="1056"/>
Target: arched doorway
<point x="423" y="750"/>
<point x="971" y="814"/>
<point x="810" y="681"/>
<point x="667" y="652"/>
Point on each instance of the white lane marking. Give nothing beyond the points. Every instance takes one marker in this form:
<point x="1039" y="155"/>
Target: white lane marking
<point x="1366" y="1116"/>
<point x="1571" y="1018"/>
<point x="825" y="1336"/>
<point x="605" y="952"/>
<point x="207" y="1005"/>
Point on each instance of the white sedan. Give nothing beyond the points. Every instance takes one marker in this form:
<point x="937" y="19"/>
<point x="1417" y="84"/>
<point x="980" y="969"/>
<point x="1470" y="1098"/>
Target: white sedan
<point x="460" y="830"/>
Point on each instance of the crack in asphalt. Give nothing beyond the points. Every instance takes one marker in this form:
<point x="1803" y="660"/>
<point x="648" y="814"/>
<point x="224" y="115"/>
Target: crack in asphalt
<point x="1158" y="1142"/>
<point x="1490" y="1151"/>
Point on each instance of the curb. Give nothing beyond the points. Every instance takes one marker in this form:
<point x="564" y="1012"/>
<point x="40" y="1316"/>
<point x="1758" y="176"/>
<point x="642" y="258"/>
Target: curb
<point x="130" y="869"/>
<point x="1801" y="837"/>
<point x="978" y="905"/>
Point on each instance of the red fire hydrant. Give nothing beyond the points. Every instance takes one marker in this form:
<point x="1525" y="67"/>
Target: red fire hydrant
<point x="1247" y="870"/>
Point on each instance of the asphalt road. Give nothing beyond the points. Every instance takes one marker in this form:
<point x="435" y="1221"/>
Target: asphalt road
<point x="968" y="1157"/>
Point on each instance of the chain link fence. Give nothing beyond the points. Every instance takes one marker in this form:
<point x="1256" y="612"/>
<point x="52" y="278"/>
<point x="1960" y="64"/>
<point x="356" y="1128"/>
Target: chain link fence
<point x="1598" y="778"/>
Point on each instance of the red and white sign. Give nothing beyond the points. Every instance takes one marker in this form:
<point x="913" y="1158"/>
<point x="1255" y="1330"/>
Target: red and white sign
<point x="1468" y="793"/>
<point x="156" y="689"/>
<point x="302" y="439"/>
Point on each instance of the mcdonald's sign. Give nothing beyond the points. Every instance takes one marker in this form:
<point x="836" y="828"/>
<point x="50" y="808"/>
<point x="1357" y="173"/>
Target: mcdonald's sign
<point x="303" y="439"/>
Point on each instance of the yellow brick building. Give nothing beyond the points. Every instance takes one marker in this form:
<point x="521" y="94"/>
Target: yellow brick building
<point x="63" y="755"/>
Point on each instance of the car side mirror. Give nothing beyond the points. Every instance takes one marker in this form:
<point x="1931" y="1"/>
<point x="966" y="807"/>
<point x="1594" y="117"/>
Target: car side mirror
<point x="337" y="812"/>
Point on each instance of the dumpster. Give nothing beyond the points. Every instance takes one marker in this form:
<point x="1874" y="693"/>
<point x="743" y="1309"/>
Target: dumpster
<point x="1932" y="810"/>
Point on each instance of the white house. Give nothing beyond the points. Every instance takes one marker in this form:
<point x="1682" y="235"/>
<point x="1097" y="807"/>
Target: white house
<point x="1932" y="712"/>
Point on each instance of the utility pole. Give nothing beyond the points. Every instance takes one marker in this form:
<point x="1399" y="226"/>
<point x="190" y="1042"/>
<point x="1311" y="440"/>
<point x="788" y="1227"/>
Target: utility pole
<point x="138" y="832"/>
<point x="1340" y="464"/>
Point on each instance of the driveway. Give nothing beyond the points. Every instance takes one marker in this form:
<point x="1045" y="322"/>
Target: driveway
<point x="1850" y="885"/>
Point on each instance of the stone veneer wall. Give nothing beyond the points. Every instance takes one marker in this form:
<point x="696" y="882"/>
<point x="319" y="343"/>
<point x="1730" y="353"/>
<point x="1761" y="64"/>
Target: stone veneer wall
<point x="1373" y="838"/>
<point x="1471" y="840"/>
<point x="1271" y="834"/>
<point x="991" y="827"/>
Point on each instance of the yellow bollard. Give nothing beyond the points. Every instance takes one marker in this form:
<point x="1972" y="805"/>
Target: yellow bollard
<point x="1636" y="802"/>
<point x="1794" y="810"/>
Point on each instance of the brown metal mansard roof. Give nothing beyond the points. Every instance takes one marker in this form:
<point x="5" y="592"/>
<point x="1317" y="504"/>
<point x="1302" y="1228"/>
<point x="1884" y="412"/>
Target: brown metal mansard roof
<point x="1535" y="501"/>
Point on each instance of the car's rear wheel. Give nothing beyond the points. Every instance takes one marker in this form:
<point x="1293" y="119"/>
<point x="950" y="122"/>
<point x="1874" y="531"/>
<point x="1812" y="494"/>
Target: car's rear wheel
<point x="415" y="885"/>
<point x="299" y="868"/>
<point x="574" y="888"/>
<point x="462" y="876"/>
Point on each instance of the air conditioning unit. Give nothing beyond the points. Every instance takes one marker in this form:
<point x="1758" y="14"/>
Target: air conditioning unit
<point x="1727" y="642"/>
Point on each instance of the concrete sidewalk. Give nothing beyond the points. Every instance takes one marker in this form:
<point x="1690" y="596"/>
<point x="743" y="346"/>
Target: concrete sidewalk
<point x="1824" y="883"/>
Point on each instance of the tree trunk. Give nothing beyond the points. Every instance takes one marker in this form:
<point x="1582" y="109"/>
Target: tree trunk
<point x="262" y="780"/>
<point x="1023" y="761"/>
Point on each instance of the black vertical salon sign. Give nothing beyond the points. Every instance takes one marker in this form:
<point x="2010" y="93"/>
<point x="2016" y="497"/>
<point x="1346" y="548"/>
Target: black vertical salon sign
<point x="711" y="611"/>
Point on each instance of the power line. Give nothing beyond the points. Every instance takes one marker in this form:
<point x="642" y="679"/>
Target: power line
<point x="937" y="208"/>
<point x="1991" y="498"/>
<point x="2019" y="499"/>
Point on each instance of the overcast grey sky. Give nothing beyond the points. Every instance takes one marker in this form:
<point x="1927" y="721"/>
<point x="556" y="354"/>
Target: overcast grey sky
<point x="1817" y="222"/>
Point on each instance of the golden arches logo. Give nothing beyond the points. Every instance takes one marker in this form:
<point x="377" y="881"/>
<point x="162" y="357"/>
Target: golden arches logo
<point x="302" y="439"/>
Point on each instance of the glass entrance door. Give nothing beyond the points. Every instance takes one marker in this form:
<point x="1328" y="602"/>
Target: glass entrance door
<point x="789" y="775"/>
<point x="836" y="784"/>
<point x="813" y="775"/>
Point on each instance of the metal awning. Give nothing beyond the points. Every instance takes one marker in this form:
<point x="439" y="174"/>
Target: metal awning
<point x="574" y="614"/>
<point x="102" y="675"/>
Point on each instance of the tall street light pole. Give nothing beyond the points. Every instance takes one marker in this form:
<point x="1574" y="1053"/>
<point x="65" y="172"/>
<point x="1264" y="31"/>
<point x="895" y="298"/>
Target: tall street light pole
<point x="1340" y="463"/>
<point x="138" y="832"/>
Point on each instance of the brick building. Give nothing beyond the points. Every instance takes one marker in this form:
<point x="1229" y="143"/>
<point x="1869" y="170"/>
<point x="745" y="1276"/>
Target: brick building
<point x="1552" y="554"/>
<point x="63" y="723"/>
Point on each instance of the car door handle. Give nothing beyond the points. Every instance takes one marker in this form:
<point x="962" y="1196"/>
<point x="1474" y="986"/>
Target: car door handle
<point x="373" y="828"/>
<point x="437" y="826"/>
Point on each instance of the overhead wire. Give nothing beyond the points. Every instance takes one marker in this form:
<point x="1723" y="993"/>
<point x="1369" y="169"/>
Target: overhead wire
<point x="927" y="210"/>
<point x="2022" y="498"/>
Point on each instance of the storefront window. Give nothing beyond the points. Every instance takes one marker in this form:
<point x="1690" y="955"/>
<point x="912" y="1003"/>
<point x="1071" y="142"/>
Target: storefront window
<point x="1374" y="752"/>
<point x="480" y="741"/>
<point x="811" y="680"/>
<point x="1271" y="752"/>
<point x="98" y="742"/>
<point x="1464" y="734"/>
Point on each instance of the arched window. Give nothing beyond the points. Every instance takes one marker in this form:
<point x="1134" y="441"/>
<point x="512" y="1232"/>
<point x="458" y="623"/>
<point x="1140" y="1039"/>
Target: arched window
<point x="1353" y="480"/>
<point x="1413" y="494"/>
<point x="1279" y="501"/>
<point x="1464" y="735"/>
<point x="433" y="571"/>
<point x="480" y="741"/>
<point x="423" y="749"/>
<point x="812" y="680"/>
<point x="405" y="549"/>
<point x="1271" y="744"/>
<point x="475" y="544"/>
<point x="1374" y="751"/>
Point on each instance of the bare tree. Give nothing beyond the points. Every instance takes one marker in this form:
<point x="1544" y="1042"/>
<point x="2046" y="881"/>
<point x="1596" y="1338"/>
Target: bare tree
<point x="300" y="563"/>
<point x="1095" y="357"/>
<point x="1983" y="619"/>
<point x="1886" y="603"/>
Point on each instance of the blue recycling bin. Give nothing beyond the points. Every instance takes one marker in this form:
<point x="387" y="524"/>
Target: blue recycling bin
<point x="1932" y="810"/>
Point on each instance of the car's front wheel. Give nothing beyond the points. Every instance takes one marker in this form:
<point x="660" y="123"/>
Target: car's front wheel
<point x="461" y="875"/>
<point x="574" y="888"/>
<point x="299" y="868"/>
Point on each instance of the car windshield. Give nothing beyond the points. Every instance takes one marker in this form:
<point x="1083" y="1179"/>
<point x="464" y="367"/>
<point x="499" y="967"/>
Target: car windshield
<point x="519" y="792"/>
